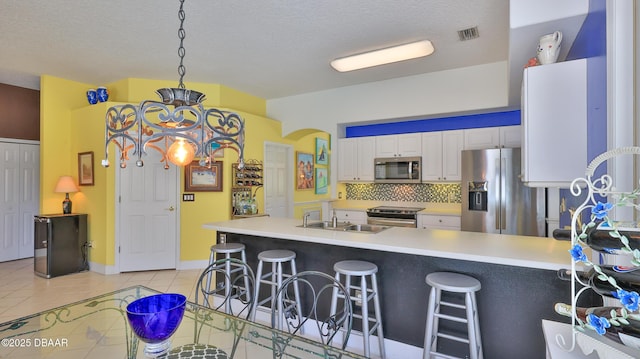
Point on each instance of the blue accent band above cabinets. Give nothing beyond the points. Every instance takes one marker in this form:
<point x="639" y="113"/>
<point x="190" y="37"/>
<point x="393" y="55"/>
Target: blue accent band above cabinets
<point x="494" y="119"/>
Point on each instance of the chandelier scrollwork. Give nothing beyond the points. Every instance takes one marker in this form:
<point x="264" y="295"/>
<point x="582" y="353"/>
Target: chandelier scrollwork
<point x="177" y="126"/>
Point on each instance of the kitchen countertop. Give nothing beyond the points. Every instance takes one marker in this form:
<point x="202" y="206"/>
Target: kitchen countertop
<point x="521" y="251"/>
<point x="446" y="209"/>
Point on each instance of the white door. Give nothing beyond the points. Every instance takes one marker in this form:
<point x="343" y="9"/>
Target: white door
<point x="29" y="195"/>
<point x="10" y="202"/>
<point x="148" y="236"/>
<point x="278" y="180"/>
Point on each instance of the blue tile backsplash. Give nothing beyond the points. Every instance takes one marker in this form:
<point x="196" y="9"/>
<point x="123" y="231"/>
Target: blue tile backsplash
<point x="422" y="192"/>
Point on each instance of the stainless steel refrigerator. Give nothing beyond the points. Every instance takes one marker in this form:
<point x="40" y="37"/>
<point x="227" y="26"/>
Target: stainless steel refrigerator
<point x="494" y="199"/>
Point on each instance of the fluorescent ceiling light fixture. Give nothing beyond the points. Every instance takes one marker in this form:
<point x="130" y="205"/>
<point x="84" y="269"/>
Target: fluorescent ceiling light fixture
<point x="383" y="56"/>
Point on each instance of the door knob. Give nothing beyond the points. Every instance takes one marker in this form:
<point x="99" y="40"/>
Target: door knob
<point x="171" y="209"/>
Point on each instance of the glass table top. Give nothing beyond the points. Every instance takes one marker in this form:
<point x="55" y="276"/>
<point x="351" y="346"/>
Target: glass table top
<point x="97" y="328"/>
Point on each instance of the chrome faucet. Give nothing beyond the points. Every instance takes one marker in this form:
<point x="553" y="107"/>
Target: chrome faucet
<point x="305" y="219"/>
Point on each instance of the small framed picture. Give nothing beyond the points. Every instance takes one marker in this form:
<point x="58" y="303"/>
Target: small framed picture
<point x="304" y="170"/>
<point x="203" y="178"/>
<point x="322" y="180"/>
<point x="322" y="151"/>
<point x="85" y="168"/>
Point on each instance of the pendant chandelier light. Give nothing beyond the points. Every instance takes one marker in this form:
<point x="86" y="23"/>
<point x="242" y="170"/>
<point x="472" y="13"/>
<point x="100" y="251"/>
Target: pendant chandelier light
<point x="177" y="126"/>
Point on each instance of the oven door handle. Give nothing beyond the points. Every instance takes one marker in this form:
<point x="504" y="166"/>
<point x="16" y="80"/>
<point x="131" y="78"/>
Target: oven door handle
<point x="392" y="222"/>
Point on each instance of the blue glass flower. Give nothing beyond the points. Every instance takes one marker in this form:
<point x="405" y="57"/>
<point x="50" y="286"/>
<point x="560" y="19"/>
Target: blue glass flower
<point x="630" y="300"/>
<point x="577" y="254"/>
<point x="600" y="324"/>
<point x="601" y="209"/>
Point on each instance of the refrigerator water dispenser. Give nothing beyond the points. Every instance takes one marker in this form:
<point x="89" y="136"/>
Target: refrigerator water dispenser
<point x="478" y="196"/>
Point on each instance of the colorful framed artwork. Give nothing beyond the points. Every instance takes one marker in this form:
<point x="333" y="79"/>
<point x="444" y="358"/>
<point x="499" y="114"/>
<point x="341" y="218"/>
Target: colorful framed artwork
<point x="322" y="151"/>
<point x="85" y="168"/>
<point x="304" y="171"/>
<point x="203" y="178"/>
<point x="216" y="149"/>
<point x="322" y="180"/>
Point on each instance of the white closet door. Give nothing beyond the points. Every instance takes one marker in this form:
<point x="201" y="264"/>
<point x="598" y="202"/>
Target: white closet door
<point x="29" y="195"/>
<point x="10" y="223"/>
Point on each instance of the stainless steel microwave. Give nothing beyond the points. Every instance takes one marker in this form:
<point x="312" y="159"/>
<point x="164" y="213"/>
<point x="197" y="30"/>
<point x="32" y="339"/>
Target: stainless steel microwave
<point x="398" y="170"/>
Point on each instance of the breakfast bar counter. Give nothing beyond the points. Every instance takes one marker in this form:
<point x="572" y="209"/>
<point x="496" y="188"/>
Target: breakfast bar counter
<point x="517" y="273"/>
<point x="521" y="251"/>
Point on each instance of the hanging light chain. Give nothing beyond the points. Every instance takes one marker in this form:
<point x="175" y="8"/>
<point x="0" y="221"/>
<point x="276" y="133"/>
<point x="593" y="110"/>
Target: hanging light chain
<point x="181" y="34"/>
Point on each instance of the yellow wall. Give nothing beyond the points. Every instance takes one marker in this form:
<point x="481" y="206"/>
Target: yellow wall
<point x="58" y="97"/>
<point x="70" y="125"/>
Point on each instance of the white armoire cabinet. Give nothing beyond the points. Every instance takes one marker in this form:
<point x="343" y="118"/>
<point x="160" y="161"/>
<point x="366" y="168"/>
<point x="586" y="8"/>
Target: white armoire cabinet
<point x="554" y="123"/>
<point x="20" y="168"/>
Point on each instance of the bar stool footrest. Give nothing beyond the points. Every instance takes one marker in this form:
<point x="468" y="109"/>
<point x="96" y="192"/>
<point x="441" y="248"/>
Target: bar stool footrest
<point x="453" y="337"/>
<point x="451" y="318"/>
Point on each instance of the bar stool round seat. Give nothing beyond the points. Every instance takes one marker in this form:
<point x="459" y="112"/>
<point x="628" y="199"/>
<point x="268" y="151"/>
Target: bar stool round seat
<point x="274" y="279"/>
<point x="454" y="283"/>
<point x="227" y="248"/>
<point x="277" y="255"/>
<point x="365" y="271"/>
<point x="353" y="267"/>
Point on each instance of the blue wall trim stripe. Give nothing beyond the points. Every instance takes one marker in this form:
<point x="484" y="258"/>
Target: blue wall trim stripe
<point x="507" y="118"/>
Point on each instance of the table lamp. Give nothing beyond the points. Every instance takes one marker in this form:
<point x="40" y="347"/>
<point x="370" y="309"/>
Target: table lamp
<point x="66" y="185"/>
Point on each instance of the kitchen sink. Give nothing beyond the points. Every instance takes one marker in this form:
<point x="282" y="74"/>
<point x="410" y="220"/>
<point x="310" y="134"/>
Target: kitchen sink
<point x="346" y="227"/>
<point x="327" y="226"/>
<point x="365" y="228"/>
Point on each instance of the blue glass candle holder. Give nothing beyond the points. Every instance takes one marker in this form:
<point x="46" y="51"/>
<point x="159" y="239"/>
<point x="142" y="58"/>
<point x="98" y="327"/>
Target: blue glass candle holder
<point x="154" y="319"/>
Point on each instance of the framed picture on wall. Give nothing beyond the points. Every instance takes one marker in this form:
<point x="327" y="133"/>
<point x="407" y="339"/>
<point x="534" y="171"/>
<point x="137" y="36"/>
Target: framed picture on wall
<point x="203" y="178"/>
<point x="322" y="151"/>
<point x="304" y="171"/>
<point x="322" y="180"/>
<point x="85" y="168"/>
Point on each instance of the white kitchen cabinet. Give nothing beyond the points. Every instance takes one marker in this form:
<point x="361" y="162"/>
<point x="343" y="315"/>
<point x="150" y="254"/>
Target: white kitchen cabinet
<point x="441" y="155"/>
<point x="492" y="137"/>
<point x="355" y="159"/>
<point x="351" y="216"/>
<point x="430" y="221"/>
<point x="554" y="124"/>
<point x="405" y="145"/>
<point x="510" y="136"/>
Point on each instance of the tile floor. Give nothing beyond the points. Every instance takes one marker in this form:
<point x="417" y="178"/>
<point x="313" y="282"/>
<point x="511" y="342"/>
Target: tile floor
<point x="23" y="293"/>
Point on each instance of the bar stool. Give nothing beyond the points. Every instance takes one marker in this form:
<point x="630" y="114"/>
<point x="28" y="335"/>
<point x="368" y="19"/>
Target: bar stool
<point x="455" y="283"/>
<point x="228" y="249"/>
<point x="361" y="269"/>
<point x="274" y="278"/>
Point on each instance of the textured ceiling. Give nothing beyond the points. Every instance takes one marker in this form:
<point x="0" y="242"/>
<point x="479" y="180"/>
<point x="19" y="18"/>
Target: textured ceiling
<point x="268" y="48"/>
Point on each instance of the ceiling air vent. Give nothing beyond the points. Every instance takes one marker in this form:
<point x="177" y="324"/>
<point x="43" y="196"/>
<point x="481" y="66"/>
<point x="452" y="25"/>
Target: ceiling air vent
<point x="468" y="34"/>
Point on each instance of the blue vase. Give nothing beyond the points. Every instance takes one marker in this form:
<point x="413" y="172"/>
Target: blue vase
<point x="92" y="96"/>
<point x="103" y="94"/>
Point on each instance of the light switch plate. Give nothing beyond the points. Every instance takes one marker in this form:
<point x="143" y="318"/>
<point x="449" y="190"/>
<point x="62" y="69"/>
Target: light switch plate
<point x="188" y="197"/>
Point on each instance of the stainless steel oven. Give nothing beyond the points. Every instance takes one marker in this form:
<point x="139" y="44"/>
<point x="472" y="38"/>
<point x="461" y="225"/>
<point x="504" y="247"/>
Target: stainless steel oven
<point x="394" y="216"/>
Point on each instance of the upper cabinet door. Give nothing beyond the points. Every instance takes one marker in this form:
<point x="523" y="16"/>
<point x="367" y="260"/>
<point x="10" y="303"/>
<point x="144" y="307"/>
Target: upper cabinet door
<point x="510" y="136"/>
<point x="481" y="138"/>
<point x="405" y="145"/>
<point x="432" y="156"/>
<point x="386" y="146"/>
<point x="452" y="145"/>
<point x="366" y="151"/>
<point x="347" y="159"/>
